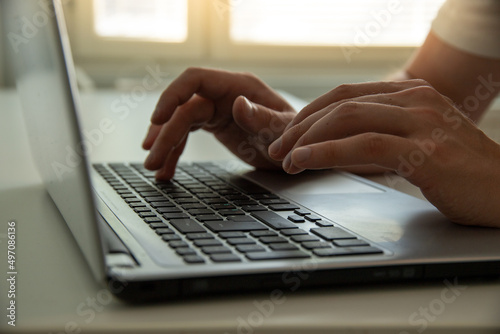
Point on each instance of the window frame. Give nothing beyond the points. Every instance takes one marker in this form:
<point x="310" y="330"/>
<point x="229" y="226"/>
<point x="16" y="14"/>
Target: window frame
<point x="225" y="49"/>
<point x="209" y="41"/>
<point x="86" y="43"/>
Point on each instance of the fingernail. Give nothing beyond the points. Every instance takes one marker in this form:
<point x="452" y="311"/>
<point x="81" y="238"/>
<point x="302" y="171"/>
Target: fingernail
<point x="275" y="147"/>
<point x="301" y="154"/>
<point x="249" y="108"/>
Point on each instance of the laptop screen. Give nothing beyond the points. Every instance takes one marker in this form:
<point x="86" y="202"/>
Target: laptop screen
<point x="38" y="49"/>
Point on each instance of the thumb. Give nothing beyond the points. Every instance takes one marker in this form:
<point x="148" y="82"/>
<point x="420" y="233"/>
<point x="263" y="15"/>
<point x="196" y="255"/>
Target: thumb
<point x="255" y="118"/>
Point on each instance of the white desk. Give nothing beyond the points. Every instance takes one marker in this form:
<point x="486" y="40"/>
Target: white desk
<point x="57" y="294"/>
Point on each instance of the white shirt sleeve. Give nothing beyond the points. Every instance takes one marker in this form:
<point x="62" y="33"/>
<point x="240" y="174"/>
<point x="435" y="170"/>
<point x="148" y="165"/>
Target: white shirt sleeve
<point x="470" y="25"/>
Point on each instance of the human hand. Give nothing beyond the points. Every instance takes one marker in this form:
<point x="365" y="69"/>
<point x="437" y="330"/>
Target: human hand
<point x="241" y="111"/>
<point x="406" y="127"/>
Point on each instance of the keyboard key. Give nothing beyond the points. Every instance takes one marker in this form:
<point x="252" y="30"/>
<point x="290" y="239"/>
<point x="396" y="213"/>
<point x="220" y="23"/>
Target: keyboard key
<point x="150" y="220"/>
<point x="164" y="230"/>
<point x="186" y="200"/>
<point x="231" y="212"/>
<point x="199" y="212"/>
<point x="172" y="209"/>
<point x="268" y="240"/>
<point x="313" y="218"/>
<point x="251" y="208"/>
<point x="331" y="251"/>
<point x="277" y="200"/>
<point x="296" y="219"/>
<point x="131" y="199"/>
<point x="190" y="206"/>
<point x="350" y="242"/>
<point x="170" y="237"/>
<point x="187" y="226"/>
<point x="207" y="242"/>
<point x="196" y="236"/>
<point x="225" y="258"/>
<point x="174" y="215"/>
<point x="141" y="209"/>
<point x="302" y="212"/>
<point x="146" y="214"/>
<point x="250" y="248"/>
<point x="247" y="186"/>
<point x="260" y="197"/>
<point x="273" y="220"/>
<point x="178" y="244"/>
<point x="223" y="206"/>
<point x="266" y="233"/>
<point x="150" y="194"/>
<point x="155" y="198"/>
<point x="232" y="235"/>
<point x="240" y="241"/>
<point x="215" y="200"/>
<point x="238" y="197"/>
<point x="332" y="233"/>
<point x="157" y="225"/>
<point x="283" y="207"/>
<point x="245" y="202"/>
<point x="207" y="218"/>
<point x="304" y="238"/>
<point x="184" y="250"/>
<point x="166" y="203"/>
<point x="316" y="244"/>
<point x="180" y="195"/>
<point x="193" y="259"/>
<point x="276" y="255"/>
<point x="243" y="218"/>
<point x="227" y="225"/>
<point x="136" y="204"/>
<point x="323" y="223"/>
<point x="215" y="249"/>
<point x="296" y="231"/>
<point x="283" y="246"/>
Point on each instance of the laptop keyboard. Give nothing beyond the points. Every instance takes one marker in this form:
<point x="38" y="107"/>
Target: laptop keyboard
<point x="207" y="214"/>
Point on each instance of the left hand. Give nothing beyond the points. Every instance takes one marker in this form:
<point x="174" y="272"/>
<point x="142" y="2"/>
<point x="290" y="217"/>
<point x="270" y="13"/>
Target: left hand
<point x="407" y="127"/>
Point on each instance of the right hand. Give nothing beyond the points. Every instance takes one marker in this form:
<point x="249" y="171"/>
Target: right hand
<point x="241" y="111"/>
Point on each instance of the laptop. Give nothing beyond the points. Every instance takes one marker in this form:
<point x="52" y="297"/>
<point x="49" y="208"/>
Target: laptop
<point x="219" y="227"/>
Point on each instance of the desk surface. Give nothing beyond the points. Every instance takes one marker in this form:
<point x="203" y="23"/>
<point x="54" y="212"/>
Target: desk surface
<point x="55" y="292"/>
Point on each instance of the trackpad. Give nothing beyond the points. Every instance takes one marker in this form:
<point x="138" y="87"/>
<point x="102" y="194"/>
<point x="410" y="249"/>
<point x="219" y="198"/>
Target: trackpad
<point x="335" y="183"/>
<point x="314" y="183"/>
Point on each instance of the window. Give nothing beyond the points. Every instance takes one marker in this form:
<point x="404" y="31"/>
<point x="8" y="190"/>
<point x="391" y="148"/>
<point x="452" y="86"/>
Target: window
<point x="251" y="29"/>
<point x="159" y="20"/>
<point x="137" y="28"/>
<point x="327" y="22"/>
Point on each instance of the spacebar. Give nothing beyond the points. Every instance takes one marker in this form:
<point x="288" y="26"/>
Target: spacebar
<point x="256" y="256"/>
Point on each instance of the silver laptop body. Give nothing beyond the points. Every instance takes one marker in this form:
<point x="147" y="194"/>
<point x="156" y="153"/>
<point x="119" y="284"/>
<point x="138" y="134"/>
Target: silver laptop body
<point x="404" y="238"/>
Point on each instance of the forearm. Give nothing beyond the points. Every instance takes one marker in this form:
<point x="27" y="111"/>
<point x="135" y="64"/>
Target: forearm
<point x="471" y="81"/>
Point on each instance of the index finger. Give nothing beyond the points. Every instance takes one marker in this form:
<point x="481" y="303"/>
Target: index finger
<point x="213" y="85"/>
<point x="350" y="91"/>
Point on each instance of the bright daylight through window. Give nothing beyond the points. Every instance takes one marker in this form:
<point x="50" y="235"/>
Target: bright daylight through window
<point x="160" y="20"/>
<point x="327" y="22"/>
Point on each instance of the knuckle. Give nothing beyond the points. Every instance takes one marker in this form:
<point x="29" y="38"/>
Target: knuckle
<point x="295" y="131"/>
<point x="192" y="70"/>
<point x="346" y="110"/>
<point x="341" y="91"/>
<point x="422" y="95"/>
<point x="374" y="145"/>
